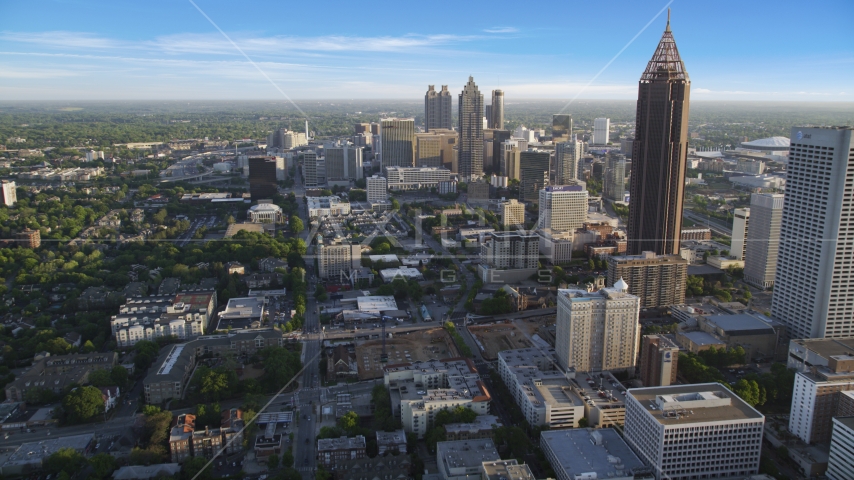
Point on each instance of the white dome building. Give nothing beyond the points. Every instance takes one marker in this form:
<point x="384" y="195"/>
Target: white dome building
<point x="772" y="144"/>
<point x="265" y="213"/>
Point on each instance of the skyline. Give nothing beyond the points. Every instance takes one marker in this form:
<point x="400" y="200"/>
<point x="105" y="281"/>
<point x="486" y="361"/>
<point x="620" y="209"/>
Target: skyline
<point x="181" y="55"/>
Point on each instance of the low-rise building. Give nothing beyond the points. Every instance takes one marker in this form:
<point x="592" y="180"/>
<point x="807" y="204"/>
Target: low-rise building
<point x="56" y="372"/>
<point x="586" y="453"/>
<point x="333" y="450"/>
<point x="391" y="442"/>
<point x="505" y="469"/>
<point x="556" y="247"/>
<point x="482" y="427"/>
<point x="327" y="206"/>
<point x="390" y="467"/>
<point x="414" y="178"/>
<point x="242" y="312"/>
<point x="389" y="275"/>
<point x="463" y="459"/>
<point x="265" y="213"/>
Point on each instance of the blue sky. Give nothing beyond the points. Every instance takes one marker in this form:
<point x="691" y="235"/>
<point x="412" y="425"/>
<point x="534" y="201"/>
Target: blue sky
<point x="156" y="49"/>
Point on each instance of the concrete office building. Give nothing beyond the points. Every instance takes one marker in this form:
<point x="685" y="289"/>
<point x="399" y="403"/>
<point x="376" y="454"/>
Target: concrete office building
<point x="414" y="178"/>
<point x="463" y="459"/>
<point x="763" y="239"/>
<point x="659" y="280"/>
<point x="561" y="128"/>
<point x="336" y="259"/>
<point x="498" y="138"/>
<point x="512" y="213"/>
<point x="688" y="431"/>
<point x="435" y="148"/>
<point x="470" y="148"/>
<point x="9" y="193"/>
<point x="597" y="330"/>
<point x="740" y="228"/>
<point x="817" y="397"/>
<point x="615" y="177"/>
<point x="601" y="131"/>
<point x="562" y="208"/>
<point x="567" y="160"/>
<point x="510" y="159"/>
<point x="658" y="361"/>
<point x="343" y="162"/>
<point x="590" y="454"/>
<point x="262" y="177"/>
<point x="541" y="390"/>
<point x="327" y="206"/>
<point x="660" y="153"/>
<point x="533" y="174"/>
<point x="397" y="136"/>
<point x="437" y="109"/>
<point x="813" y="293"/>
<point x="556" y="247"/>
<point x="497" y="111"/>
<point x="377" y="189"/>
<point x="840" y="463"/>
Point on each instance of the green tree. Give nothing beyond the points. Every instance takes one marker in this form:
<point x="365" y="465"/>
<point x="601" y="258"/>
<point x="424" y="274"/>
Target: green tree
<point x="67" y="460"/>
<point x="39" y="396"/>
<point x="748" y="390"/>
<point x="214" y="384"/>
<point x="100" y="378"/>
<point x="583" y="422"/>
<point x="288" y="474"/>
<point x="82" y="404"/>
<point x="273" y="461"/>
<point x="288" y="459"/>
<point x="349" y="422"/>
<point x="119" y="376"/>
<point x="194" y="467"/>
<point x="295" y="224"/>
<point x="103" y="465"/>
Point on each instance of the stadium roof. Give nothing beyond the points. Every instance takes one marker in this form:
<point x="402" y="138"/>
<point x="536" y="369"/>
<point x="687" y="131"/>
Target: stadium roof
<point x="772" y="143"/>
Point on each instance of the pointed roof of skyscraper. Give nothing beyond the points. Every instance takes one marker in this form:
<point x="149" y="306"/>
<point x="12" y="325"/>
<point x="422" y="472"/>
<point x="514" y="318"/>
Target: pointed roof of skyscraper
<point x="666" y="64"/>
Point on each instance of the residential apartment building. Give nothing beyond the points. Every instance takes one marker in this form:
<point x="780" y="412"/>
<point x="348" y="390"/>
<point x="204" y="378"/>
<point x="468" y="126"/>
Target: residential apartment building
<point x="437" y="109"/>
<point x="840" y="463"/>
<point x="687" y="431"/>
<point x="763" y="239"/>
<point x="333" y="450"/>
<point x="508" y="250"/>
<point x="337" y="258"/>
<point x="29" y="238"/>
<point x="397" y="137"/>
<point x="186" y="442"/>
<point x="562" y="208"/>
<point x="601" y="131"/>
<point x="533" y="174"/>
<point x="343" y="162"/>
<point x="414" y="178"/>
<point x="813" y="294"/>
<point x="8" y="193"/>
<point x="740" y="229"/>
<point x="185" y="316"/>
<point x="541" y="390"/>
<point x="567" y="160"/>
<point x="659" y="280"/>
<point x="512" y="213"/>
<point x="597" y="330"/>
<point x="659" y="360"/>
<point x="377" y="189"/>
<point x="816" y="398"/>
<point x="470" y="147"/>
<point x="57" y="372"/>
<point x="615" y="177"/>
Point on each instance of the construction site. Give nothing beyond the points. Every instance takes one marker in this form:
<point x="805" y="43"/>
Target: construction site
<point x="415" y="347"/>
<point x="497" y="337"/>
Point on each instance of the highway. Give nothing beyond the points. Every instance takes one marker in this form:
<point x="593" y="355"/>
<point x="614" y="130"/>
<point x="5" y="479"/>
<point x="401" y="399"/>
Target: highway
<point x="715" y="224"/>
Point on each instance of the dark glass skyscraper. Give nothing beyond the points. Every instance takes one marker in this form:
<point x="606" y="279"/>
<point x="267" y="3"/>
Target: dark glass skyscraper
<point x="262" y="177"/>
<point x="659" y="153"/>
<point x="471" y="132"/>
<point x="437" y="109"/>
<point x="496" y="116"/>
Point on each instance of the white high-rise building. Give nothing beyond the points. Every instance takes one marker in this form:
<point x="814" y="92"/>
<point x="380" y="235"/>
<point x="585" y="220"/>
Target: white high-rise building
<point x="337" y="258"/>
<point x="511" y="250"/>
<point x="601" y="131"/>
<point x="813" y="292"/>
<point x="377" y="189"/>
<point x="281" y="169"/>
<point x="597" y="331"/>
<point x="840" y="463"/>
<point x="740" y="227"/>
<point x="567" y="161"/>
<point x="9" y="192"/>
<point x="685" y="432"/>
<point x="414" y="178"/>
<point x="512" y="213"/>
<point x="562" y="208"/>
<point x="763" y="239"/>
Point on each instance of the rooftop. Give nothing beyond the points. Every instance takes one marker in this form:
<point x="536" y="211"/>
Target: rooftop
<point x="342" y="443"/>
<point x="35" y="452"/>
<point x="376" y="303"/>
<point x="243" y="307"/>
<point x="507" y="470"/>
<point x="771" y="143"/>
<point x="686" y="404"/>
<point x="583" y="451"/>
<point x="702" y="338"/>
<point x="741" y="324"/>
<point x="466" y="453"/>
<point x="481" y="422"/>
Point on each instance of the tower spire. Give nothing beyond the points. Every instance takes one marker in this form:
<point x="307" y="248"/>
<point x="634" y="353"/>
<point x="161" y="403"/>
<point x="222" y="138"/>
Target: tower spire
<point x="668" y="21"/>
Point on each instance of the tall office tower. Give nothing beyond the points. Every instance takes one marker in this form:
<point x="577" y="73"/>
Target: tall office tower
<point x="567" y="160"/>
<point x="487" y="114"/>
<point x="497" y="112"/>
<point x="343" y="162"/>
<point x="9" y="193"/>
<point x="512" y="213"/>
<point x="309" y="168"/>
<point x="561" y="128"/>
<point x="659" y="280"/>
<point x="840" y="462"/>
<point x="763" y="239"/>
<point x="615" y="177"/>
<point x="626" y="146"/>
<point x="597" y="331"/>
<point x="813" y="289"/>
<point x="262" y="177"/>
<point x="659" y="153"/>
<point x="511" y="250"/>
<point x="488" y="160"/>
<point x="498" y="137"/>
<point x="658" y="361"/>
<point x="281" y="168"/>
<point x="740" y="227"/>
<point x="437" y="109"/>
<point x="428" y="150"/>
<point x="533" y="174"/>
<point x="377" y="189"/>
<point x="562" y="208"/>
<point x="470" y="161"/>
<point x="601" y="131"/>
<point x="364" y="128"/>
<point x="510" y="158"/>
<point x="397" y="136"/>
<point x="694" y="431"/>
